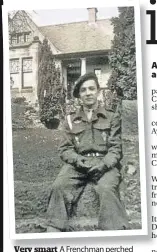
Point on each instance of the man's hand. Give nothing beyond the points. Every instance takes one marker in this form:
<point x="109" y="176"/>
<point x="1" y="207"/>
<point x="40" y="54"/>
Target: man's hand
<point x="97" y="171"/>
<point x="81" y="165"/>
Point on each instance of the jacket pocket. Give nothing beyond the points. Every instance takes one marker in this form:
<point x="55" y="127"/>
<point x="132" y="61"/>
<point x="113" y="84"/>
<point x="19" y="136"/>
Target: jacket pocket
<point x="76" y="129"/>
<point x="102" y="126"/>
<point x="102" y="130"/>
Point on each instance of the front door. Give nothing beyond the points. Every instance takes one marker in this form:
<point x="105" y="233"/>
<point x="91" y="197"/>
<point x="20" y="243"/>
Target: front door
<point x="73" y="73"/>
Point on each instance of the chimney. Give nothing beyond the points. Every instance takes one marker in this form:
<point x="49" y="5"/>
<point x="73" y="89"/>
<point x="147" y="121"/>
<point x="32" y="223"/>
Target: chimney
<point x="92" y="15"/>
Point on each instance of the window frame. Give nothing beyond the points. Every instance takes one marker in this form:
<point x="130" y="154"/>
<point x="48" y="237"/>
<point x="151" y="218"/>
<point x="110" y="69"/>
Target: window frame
<point x="26" y="38"/>
<point x="14" y="73"/>
<point x="22" y="73"/>
<point x="17" y="59"/>
<point x="95" y="69"/>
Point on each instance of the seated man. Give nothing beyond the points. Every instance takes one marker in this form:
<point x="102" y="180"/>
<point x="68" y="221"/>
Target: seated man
<point x="91" y="151"/>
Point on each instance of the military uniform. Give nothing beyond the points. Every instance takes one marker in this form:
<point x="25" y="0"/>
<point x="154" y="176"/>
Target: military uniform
<point x="98" y="141"/>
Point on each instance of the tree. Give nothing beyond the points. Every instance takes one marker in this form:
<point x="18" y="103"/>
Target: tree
<point x="122" y="58"/>
<point x="50" y="89"/>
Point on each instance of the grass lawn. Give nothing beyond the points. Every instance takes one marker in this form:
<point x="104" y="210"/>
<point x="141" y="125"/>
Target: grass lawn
<point x="36" y="165"/>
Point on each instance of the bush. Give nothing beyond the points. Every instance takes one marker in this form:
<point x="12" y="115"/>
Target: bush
<point x="18" y="100"/>
<point x="21" y="113"/>
<point x="50" y="91"/>
<point x="122" y="58"/>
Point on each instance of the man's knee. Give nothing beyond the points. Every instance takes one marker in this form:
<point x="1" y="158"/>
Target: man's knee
<point x="57" y="186"/>
<point x="110" y="179"/>
<point x="107" y="188"/>
<point x="62" y="179"/>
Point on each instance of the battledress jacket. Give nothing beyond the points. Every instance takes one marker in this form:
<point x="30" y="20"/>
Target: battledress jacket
<point x="101" y="135"/>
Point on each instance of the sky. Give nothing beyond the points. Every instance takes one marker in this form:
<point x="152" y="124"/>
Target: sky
<point x="59" y="16"/>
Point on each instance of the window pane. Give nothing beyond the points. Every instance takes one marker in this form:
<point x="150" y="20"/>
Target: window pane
<point x="98" y="74"/>
<point x="14" y="66"/>
<point x="14" y="39"/>
<point x="14" y="80"/>
<point x="27" y="65"/>
<point x="27" y="37"/>
<point x="27" y="79"/>
<point x="21" y="38"/>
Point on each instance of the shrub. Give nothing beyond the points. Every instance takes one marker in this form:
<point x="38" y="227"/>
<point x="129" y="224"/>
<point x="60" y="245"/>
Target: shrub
<point x="122" y="58"/>
<point x="50" y="90"/>
<point x="18" y="100"/>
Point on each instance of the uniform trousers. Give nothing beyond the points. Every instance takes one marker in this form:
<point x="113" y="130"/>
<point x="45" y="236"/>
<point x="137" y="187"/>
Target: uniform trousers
<point x="69" y="186"/>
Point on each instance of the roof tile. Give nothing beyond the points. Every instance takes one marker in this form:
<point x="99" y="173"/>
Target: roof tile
<point x="80" y="36"/>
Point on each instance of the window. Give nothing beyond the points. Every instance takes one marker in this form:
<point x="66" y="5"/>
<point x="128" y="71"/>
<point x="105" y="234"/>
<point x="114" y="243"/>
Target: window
<point x="20" y="38"/>
<point x="14" y="66"/>
<point x="27" y="37"/>
<point x="14" y="72"/>
<point x="98" y="74"/>
<point x="27" y="65"/>
<point x="73" y="73"/>
<point x="21" y="73"/>
<point x="26" y="72"/>
<point x="13" y="39"/>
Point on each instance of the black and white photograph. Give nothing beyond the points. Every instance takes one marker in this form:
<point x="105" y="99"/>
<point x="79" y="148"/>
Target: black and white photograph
<point x="76" y="122"/>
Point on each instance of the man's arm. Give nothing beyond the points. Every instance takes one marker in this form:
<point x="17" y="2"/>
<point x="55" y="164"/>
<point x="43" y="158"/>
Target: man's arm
<point x="114" y="154"/>
<point x="66" y="149"/>
<point x="68" y="153"/>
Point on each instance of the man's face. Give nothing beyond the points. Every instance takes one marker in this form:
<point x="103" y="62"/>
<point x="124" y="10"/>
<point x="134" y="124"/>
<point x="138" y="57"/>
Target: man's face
<point x="88" y="93"/>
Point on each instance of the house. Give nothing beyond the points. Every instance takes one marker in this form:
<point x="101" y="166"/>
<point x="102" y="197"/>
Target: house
<point x="78" y="47"/>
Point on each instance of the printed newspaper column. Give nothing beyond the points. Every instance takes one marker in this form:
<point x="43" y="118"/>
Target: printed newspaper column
<point x="154" y="149"/>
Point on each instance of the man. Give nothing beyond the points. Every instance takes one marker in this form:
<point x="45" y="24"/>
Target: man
<point x="91" y="151"/>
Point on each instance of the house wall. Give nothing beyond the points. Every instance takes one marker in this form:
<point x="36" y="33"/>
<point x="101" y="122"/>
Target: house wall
<point x="105" y="73"/>
<point x="91" y="66"/>
<point x="30" y="93"/>
<point x="20" y="53"/>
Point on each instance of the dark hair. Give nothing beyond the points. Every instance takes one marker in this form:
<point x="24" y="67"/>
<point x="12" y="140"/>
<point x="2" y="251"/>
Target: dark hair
<point x="82" y="79"/>
<point x="96" y="82"/>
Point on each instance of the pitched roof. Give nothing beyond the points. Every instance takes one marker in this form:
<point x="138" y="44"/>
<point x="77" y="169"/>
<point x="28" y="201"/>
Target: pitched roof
<point x="80" y="36"/>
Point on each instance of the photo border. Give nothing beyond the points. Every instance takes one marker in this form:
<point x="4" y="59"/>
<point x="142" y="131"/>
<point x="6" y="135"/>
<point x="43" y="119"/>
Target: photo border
<point x="17" y="5"/>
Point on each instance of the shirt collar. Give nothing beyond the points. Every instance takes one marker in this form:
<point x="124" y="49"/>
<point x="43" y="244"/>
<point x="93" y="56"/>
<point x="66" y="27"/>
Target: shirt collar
<point x="80" y="115"/>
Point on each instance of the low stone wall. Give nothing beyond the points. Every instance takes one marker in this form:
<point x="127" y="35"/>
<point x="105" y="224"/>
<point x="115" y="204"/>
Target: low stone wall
<point x="129" y="118"/>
